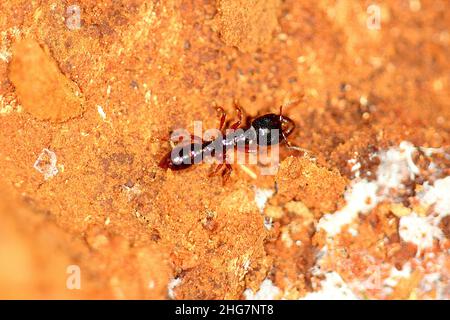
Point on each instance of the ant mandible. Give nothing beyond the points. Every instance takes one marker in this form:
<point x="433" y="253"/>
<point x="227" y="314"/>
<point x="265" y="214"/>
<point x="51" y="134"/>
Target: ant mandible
<point x="263" y="126"/>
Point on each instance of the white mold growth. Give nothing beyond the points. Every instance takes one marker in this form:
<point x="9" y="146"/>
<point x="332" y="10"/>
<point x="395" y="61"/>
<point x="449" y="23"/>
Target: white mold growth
<point x="419" y="230"/>
<point x="396" y="166"/>
<point x="171" y="286"/>
<point x="332" y="288"/>
<point x="267" y="291"/>
<point x="422" y="231"/>
<point x="261" y="197"/>
<point x="361" y="197"/>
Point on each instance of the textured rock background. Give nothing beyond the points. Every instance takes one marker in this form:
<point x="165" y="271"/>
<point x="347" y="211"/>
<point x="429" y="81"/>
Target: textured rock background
<point x="145" y="68"/>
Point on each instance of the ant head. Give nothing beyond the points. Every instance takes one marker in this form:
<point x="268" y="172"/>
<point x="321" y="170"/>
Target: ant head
<point x="266" y="124"/>
<point x="287" y="124"/>
<point x="265" y="127"/>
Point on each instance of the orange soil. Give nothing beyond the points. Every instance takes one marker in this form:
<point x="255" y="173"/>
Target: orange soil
<point x="153" y="67"/>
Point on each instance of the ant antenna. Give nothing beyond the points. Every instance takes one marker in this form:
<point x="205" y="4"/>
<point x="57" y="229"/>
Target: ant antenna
<point x="286" y="120"/>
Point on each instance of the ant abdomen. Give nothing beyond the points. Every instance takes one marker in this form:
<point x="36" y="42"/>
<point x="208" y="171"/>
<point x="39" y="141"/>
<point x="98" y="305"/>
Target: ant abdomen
<point x="183" y="156"/>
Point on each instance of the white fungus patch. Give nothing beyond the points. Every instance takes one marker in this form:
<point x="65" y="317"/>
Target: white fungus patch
<point x="430" y="281"/>
<point x="430" y="151"/>
<point x="7" y="106"/>
<point x="422" y="231"/>
<point x="419" y="230"/>
<point x="6" y="39"/>
<point x="332" y="288"/>
<point x="286" y="238"/>
<point x="356" y="166"/>
<point x="268" y="223"/>
<point x="396" y="166"/>
<point x="361" y="197"/>
<point x="46" y="164"/>
<point x="246" y="265"/>
<point x="171" y="286"/>
<point x="353" y="231"/>
<point x="267" y="291"/>
<point x="396" y="275"/>
<point x="437" y="280"/>
<point x="5" y="56"/>
<point x="437" y="195"/>
<point x="261" y="197"/>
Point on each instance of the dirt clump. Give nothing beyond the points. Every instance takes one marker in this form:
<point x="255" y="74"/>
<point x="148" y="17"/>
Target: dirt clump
<point x="321" y="189"/>
<point x="41" y="88"/>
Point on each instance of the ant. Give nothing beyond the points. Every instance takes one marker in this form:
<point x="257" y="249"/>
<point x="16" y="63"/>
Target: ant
<point x="262" y="127"/>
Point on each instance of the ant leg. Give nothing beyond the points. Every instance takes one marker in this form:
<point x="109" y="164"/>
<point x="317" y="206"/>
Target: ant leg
<point x="222" y="118"/>
<point x="181" y="138"/>
<point x="226" y="173"/>
<point x="237" y="124"/>
<point x="291" y="145"/>
<point x="216" y="170"/>
<point x="193" y="139"/>
<point x="294" y="147"/>
<point x="287" y="132"/>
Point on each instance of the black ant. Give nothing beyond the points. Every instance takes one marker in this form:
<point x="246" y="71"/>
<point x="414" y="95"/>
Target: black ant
<point x="263" y="128"/>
